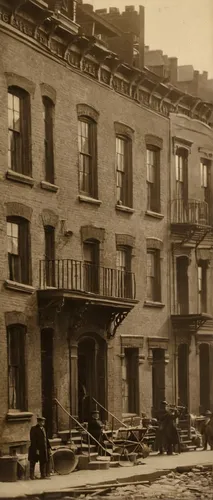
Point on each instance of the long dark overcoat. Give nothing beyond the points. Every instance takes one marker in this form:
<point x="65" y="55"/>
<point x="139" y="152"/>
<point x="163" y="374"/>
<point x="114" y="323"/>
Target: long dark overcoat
<point x="38" y="443"/>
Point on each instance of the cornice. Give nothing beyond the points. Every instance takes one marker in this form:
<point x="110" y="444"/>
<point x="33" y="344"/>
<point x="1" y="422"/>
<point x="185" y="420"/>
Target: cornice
<point x="90" y="57"/>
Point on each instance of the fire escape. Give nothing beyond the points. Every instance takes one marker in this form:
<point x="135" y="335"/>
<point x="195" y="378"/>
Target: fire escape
<point x="190" y="228"/>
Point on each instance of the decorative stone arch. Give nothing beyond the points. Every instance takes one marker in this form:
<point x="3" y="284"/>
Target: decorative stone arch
<point x="48" y="91"/>
<point x="88" y="111"/>
<point x="125" y="240"/>
<point x="154" y="243"/>
<point x="181" y="144"/>
<point x="15" y="318"/>
<point x="14" y="80"/>
<point x="123" y="129"/>
<point x="49" y="218"/>
<point x="154" y="140"/>
<point x="16" y="209"/>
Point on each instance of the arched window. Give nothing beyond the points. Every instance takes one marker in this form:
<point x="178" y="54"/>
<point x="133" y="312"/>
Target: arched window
<point x="124" y="170"/>
<point x="87" y="146"/>
<point x="91" y="265"/>
<point x="49" y="138"/>
<point x="19" y="131"/>
<point x="19" y="251"/>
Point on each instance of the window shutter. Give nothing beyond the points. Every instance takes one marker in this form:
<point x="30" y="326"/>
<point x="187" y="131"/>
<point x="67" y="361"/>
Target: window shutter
<point x="93" y="165"/>
<point x="26" y="135"/>
<point x="25" y="252"/>
<point x="128" y="173"/>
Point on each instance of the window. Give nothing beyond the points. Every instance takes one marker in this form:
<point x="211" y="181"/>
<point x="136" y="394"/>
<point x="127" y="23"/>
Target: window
<point x="202" y="286"/>
<point x="87" y="145"/>
<point x="182" y="285"/>
<point x="130" y="389"/>
<point x="16" y="367"/>
<point x="18" y="247"/>
<point x="181" y="167"/>
<point x="153" y="179"/>
<point x="91" y="266"/>
<point x="124" y="170"/>
<point x="19" y="131"/>
<point x="205" y="169"/>
<point x="49" y="233"/>
<point x="124" y="275"/>
<point x="48" y="139"/>
<point x="153" y="279"/>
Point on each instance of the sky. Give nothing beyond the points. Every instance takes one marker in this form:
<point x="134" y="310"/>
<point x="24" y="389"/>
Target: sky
<point x="181" y="28"/>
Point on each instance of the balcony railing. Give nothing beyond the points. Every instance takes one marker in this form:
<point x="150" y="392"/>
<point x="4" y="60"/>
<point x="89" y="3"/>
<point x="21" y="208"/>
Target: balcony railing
<point x="190" y="212"/>
<point x="75" y="275"/>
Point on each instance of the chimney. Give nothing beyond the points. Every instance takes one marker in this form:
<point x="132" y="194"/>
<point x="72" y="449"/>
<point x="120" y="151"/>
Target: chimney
<point x="141" y="36"/>
<point x="173" y="65"/>
<point x="101" y="11"/>
<point x="114" y="10"/>
<point x="129" y="8"/>
<point x="88" y="7"/>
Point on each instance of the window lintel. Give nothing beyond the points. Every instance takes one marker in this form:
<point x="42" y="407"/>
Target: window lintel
<point x="124" y="131"/>
<point x="153" y="142"/>
<point x="154" y="244"/>
<point x="22" y="83"/>
<point x="88" y="112"/>
<point x="180" y="143"/>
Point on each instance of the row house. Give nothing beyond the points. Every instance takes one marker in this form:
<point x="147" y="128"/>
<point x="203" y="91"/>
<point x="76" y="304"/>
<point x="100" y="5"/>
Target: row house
<point x="85" y="221"/>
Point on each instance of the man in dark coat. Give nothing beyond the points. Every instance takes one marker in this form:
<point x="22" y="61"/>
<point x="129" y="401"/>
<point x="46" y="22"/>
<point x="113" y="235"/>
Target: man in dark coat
<point x="168" y="436"/>
<point x="40" y="449"/>
<point x="95" y="428"/>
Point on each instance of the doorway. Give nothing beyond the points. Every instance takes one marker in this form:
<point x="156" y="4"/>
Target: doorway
<point x="91" y="376"/>
<point x="183" y="375"/>
<point x="47" y="383"/>
<point x="158" y="378"/>
<point x="204" y="378"/>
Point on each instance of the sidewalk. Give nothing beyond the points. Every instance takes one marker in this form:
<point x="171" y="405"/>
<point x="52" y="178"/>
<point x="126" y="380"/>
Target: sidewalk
<point x="150" y="470"/>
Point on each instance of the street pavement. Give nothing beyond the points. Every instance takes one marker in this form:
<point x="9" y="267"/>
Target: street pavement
<point x="153" y="466"/>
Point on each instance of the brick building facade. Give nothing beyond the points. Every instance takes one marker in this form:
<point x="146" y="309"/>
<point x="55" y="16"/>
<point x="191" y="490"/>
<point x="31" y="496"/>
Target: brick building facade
<point x="85" y="222"/>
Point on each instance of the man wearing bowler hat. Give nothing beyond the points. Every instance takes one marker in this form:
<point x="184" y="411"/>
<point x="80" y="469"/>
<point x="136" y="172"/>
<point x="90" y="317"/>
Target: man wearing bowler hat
<point x="40" y="449"/>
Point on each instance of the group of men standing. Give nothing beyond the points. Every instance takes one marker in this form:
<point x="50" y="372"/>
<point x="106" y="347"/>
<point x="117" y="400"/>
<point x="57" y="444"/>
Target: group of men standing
<point x="168" y="438"/>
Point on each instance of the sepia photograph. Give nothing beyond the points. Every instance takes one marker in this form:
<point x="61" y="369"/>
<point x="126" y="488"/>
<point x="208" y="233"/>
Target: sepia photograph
<point x="106" y="245"/>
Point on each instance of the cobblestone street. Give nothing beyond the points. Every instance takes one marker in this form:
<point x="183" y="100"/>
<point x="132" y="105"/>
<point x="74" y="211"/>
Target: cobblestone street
<point x="196" y="484"/>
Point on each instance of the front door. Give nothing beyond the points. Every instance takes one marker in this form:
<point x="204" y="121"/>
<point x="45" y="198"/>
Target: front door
<point x="183" y="375"/>
<point x="91" y="376"/>
<point x="158" y="379"/>
<point x="47" y="378"/>
<point x="204" y="378"/>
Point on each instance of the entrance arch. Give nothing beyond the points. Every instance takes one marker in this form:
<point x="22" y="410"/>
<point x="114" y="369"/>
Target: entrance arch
<point x="92" y="361"/>
<point x="204" y="358"/>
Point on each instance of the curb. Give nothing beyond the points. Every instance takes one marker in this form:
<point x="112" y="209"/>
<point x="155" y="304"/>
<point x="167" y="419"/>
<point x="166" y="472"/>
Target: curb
<point x="75" y="492"/>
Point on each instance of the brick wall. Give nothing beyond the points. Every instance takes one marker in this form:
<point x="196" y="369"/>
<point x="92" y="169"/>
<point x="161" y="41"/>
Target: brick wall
<point x="72" y="88"/>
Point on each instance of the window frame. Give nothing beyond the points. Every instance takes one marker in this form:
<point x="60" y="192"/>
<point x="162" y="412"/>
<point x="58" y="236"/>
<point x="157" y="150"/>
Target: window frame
<point x="156" y="294"/>
<point x="126" y="188"/>
<point x="20" y="273"/>
<point x="49" y="115"/>
<point x="91" y="155"/>
<point x="91" y="268"/>
<point x="124" y="285"/>
<point x="153" y="187"/>
<point x="21" y="380"/>
<point x="23" y="164"/>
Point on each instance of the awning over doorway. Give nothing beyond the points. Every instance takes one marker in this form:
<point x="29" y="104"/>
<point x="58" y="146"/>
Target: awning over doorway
<point x="189" y="323"/>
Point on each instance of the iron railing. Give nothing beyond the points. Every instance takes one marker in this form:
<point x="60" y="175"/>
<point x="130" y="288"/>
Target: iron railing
<point x="69" y="274"/>
<point x="190" y="212"/>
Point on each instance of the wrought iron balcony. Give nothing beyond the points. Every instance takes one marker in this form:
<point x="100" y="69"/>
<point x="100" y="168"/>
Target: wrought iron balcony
<point x="192" y="212"/>
<point x="75" y="275"/>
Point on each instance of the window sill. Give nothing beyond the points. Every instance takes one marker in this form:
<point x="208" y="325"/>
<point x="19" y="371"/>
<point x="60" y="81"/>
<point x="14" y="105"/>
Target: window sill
<point x="19" y="416"/>
<point x="19" y="287"/>
<point x="87" y="199"/>
<point x="123" y="208"/>
<point x="150" y="303"/>
<point x="156" y="215"/>
<point x="49" y="187"/>
<point x="23" y="179"/>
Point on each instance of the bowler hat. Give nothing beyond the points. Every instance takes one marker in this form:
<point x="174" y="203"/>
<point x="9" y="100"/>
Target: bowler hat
<point x="40" y="417"/>
<point x="164" y="403"/>
<point x="208" y="412"/>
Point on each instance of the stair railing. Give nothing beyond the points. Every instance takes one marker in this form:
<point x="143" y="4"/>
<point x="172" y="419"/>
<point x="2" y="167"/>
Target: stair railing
<point x="111" y="415"/>
<point x="90" y="437"/>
